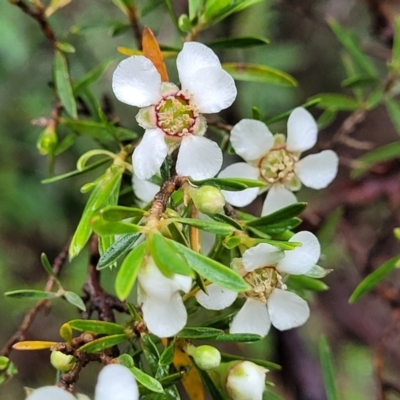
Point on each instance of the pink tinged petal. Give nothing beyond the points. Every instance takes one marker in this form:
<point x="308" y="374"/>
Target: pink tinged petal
<point x="164" y="318"/>
<point x="149" y="154"/>
<point x="262" y="255"/>
<point x="302" y="130"/>
<point x="216" y="298"/>
<point x="287" y="310"/>
<point x="136" y="82"/>
<point x="277" y="197"/>
<point x="303" y="258"/>
<point x="317" y="171"/>
<point x="240" y="170"/>
<point x="144" y="190"/>
<point x="252" y="318"/>
<point x="251" y="139"/>
<point x="199" y="158"/>
<point x="50" y="393"/>
<point x="116" y="382"/>
<point x="194" y="56"/>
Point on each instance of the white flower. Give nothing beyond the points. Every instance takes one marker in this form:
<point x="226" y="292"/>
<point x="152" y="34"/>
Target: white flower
<point x="276" y="161"/>
<point x="171" y="116"/>
<point x="163" y="310"/>
<point x="246" y="381"/>
<point x="115" y="382"/>
<point x="268" y="301"/>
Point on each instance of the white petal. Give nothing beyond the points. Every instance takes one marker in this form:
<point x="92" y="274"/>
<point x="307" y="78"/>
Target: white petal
<point x="277" y="197"/>
<point x="317" y="171"/>
<point x="302" y="130"/>
<point x="194" y="56"/>
<point x="212" y="88"/>
<point x="144" y="190"/>
<point x="240" y="170"/>
<point x="251" y="139"/>
<point x="50" y="393"/>
<point x="149" y="154"/>
<point x="116" y="382"/>
<point x="252" y="318"/>
<point x="136" y="82"/>
<point x="216" y="298"/>
<point x="199" y="158"/>
<point x="287" y="310"/>
<point x="262" y="255"/>
<point x="164" y="318"/>
<point x="301" y="259"/>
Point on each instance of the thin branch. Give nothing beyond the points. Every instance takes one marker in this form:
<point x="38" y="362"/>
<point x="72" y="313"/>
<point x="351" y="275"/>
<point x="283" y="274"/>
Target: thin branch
<point x="133" y="19"/>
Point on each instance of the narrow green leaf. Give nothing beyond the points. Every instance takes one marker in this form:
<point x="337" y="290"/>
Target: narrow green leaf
<point x="147" y="381"/>
<point x="238" y="337"/>
<point x="259" y="73"/>
<point x="75" y="300"/>
<point x="104" y="228"/>
<point x="95" y="326"/>
<point x="66" y="332"/>
<point x="184" y="23"/>
<point x="218" y="228"/>
<point x="99" y="345"/>
<point x="55" y="5"/>
<point x="227" y="220"/>
<point x="370" y="281"/>
<point x="167" y="259"/>
<point x="263" y="363"/>
<point x="279" y="216"/>
<point x="326" y="118"/>
<point x="128" y="271"/>
<point x="65" y="47"/>
<point x="199" y="333"/>
<point x="327" y="368"/>
<point x="274" y="229"/>
<point x="336" y="101"/>
<point x="359" y="81"/>
<point x="212" y="270"/>
<point x="47" y="266"/>
<point x="31" y="294"/>
<point x="118" y="213"/>
<point x="195" y="6"/>
<point x="91" y="77"/>
<point x="395" y="61"/>
<point x="232" y="184"/>
<point x="63" y="84"/>
<point x="123" y="244"/>
<point x="237" y="42"/>
<point x="300" y="282"/>
<point x="393" y="108"/>
<point x="232" y="242"/>
<point x="167" y="355"/>
<point x="351" y="45"/>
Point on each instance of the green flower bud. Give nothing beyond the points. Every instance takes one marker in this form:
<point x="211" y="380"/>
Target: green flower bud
<point x="205" y="357"/>
<point x="208" y="199"/>
<point x="62" y="362"/>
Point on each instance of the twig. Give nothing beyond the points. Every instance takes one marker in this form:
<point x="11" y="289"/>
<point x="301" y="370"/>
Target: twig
<point x="20" y="334"/>
<point x="133" y="19"/>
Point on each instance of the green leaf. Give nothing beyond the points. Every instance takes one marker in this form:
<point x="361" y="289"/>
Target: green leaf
<point x="123" y="244"/>
<point x="31" y="294"/>
<point x="299" y="282"/>
<point x="95" y="326"/>
<point x="166" y="257"/>
<point x="274" y="229"/>
<point x="91" y="77"/>
<point x="65" y="47"/>
<point x="195" y="6"/>
<point x="227" y="220"/>
<point x="370" y="281"/>
<point x="199" y="333"/>
<point x="263" y="363"/>
<point x="118" y="213"/>
<point x="167" y="355"/>
<point x="359" y="81"/>
<point x="279" y="216"/>
<point x="75" y="300"/>
<point x="318" y="272"/>
<point x="232" y="184"/>
<point x="63" y="84"/>
<point x="104" y="228"/>
<point x="126" y="360"/>
<point x="55" y="5"/>
<point x="66" y="332"/>
<point x="146" y="380"/>
<point x="366" y="161"/>
<point x="327" y="368"/>
<point x="184" y="24"/>
<point x="336" y="101"/>
<point x="217" y="228"/>
<point x="101" y="344"/>
<point x="237" y="42"/>
<point x="259" y="73"/>
<point x="395" y="61"/>
<point x="49" y="269"/>
<point x="326" y="118"/>
<point x="393" y="109"/>
<point x="232" y="242"/>
<point x="212" y="270"/>
<point x="238" y="337"/>
<point x="351" y="45"/>
<point x="128" y="271"/>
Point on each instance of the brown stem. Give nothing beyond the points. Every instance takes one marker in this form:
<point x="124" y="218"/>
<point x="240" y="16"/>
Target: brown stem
<point x="133" y="18"/>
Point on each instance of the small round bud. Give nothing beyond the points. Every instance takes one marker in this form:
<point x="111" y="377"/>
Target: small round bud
<point x="208" y="200"/>
<point x="61" y="361"/>
<point x="205" y="357"/>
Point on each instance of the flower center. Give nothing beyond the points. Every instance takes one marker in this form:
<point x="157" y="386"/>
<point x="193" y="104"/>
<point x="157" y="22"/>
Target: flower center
<point x="263" y="281"/>
<point x="176" y="116"/>
<point x="278" y="166"/>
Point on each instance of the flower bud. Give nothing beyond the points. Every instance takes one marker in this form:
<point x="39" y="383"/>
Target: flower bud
<point x="208" y="199"/>
<point x="205" y="357"/>
<point x="62" y="362"/>
<point x="246" y="381"/>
